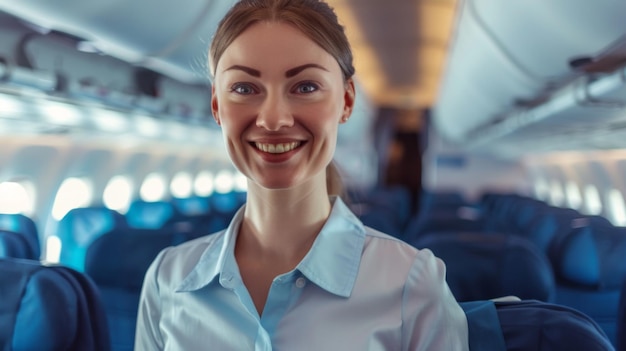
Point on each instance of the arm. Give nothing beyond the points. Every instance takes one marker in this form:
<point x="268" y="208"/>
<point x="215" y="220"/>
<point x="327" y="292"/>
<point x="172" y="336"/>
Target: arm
<point x="148" y="335"/>
<point x="431" y="318"/>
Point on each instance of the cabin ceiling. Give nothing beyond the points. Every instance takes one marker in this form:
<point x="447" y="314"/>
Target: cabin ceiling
<point x="399" y="46"/>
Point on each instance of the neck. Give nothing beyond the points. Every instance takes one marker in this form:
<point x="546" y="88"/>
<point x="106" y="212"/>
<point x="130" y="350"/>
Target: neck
<point x="281" y="225"/>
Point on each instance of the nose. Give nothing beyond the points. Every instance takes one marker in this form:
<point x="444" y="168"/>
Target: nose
<point x="274" y="113"/>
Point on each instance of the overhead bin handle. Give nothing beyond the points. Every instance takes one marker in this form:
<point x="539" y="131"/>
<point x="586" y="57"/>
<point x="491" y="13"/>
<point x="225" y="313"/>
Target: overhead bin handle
<point x="589" y="99"/>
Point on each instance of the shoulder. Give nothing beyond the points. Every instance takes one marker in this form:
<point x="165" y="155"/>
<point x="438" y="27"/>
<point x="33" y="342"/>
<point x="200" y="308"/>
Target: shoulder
<point x="420" y="265"/>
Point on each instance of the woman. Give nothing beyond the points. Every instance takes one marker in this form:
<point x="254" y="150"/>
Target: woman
<point x="295" y="270"/>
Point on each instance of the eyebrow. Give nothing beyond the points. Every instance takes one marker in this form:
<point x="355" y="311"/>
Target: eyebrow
<point x="294" y="71"/>
<point x="289" y="73"/>
<point x="251" y="71"/>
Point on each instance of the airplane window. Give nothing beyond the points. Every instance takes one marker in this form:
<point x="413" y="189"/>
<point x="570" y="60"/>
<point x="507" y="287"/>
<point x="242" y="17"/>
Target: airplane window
<point x="181" y="186"/>
<point x="617" y="209"/>
<point x="15" y="198"/>
<point x="118" y="193"/>
<point x="61" y="113"/>
<point x="574" y="199"/>
<point x="241" y="182"/>
<point x="108" y="120"/>
<point x="593" y="205"/>
<point x="541" y="189"/>
<point x="73" y="193"/>
<point x="53" y="249"/>
<point x="10" y="106"/>
<point x="153" y="188"/>
<point x="557" y="198"/>
<point x="224" y="182"/>
<point x="203" y="184"/>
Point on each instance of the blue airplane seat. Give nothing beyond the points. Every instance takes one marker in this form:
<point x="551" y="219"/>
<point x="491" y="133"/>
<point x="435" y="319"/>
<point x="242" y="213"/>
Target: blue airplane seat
<point x="621" y="322"/>
<point x="152" y="214"/>
<point x="24" y="225"/>
<point x="377" y="218"/>
<point x="531" y="325"/>
<point x="227" y="203"/>
<point x="461" y="220"/>
<point x="80" y="227"/>
<point x="396" y="200"/>
<point x="485" y="266"/>
<point x="590" y="268"/>
<point x="548" y="225"/>
<point x="49" y="308"/>
<point x="117" y="263"/>
<point x="15" y="245"/>
<point x="192" y="206"/>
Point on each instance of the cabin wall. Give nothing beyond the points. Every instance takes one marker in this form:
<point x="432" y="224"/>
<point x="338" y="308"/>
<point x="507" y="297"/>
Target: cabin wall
<point x="592" y="182"/>
<point x="447" y="167"/>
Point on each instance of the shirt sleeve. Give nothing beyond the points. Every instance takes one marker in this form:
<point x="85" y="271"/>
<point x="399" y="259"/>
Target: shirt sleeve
<point x="148" y="335"/>
<point x="432" y="319"/>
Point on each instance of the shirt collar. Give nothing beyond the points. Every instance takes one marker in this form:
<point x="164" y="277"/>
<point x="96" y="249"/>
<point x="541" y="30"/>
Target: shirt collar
<point x="332" y="263"/>
<point x="334" y="259"/>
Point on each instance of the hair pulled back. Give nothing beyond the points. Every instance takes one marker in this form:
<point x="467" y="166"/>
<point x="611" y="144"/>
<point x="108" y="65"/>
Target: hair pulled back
<point x="315" y="18"/>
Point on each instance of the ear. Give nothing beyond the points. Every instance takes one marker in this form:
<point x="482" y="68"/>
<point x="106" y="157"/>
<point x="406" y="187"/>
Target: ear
<point x="348" y="100"/>
<point x="214" y="106"/>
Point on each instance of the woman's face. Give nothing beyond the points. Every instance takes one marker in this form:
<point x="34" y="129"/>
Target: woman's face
<point x="279" y="98"/>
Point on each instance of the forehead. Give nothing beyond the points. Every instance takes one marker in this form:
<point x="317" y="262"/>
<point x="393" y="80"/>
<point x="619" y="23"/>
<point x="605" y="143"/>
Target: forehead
<point x="275" y="45"/>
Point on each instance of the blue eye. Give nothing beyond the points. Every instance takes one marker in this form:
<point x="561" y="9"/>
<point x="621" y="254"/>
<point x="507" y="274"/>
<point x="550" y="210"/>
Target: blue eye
<point x="306" y="88"/>
<point x="243" y="89"/>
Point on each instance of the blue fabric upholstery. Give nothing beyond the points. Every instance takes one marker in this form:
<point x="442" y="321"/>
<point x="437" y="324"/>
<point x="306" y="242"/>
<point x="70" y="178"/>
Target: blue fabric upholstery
<point x="80" y="227"/>
<point x="192" y="206"/>
<point x="537" y="326"/>
<point x="484" y="330"/>
<point x="531" y="326"/>
<point x="440" y="222"/>
<point x="15" y="245"/>
<point x="24" y="225"/>
<point x="227" y="203"/>
<point x="621" y="322"/>
<point x="600" y="305"/>
<point x="593" y="256"/>
<point x="484" y="266"/>
<point x="117" y="262"/>
<point x="49" y="308"/>
<point x="151" y="215"/>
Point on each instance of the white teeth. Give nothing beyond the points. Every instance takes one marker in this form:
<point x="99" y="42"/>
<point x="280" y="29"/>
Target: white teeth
<point x="277" y="148"/>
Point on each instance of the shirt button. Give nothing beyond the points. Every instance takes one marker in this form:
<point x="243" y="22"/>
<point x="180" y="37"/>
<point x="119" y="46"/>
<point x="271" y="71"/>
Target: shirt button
<point x="300" y="283"/>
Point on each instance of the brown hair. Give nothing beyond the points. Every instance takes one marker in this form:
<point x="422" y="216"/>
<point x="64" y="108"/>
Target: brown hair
<point x="315" y="18"/>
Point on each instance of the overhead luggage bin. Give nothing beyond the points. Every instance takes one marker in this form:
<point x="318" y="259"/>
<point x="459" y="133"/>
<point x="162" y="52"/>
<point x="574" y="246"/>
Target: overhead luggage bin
<point x="552" y="59"/>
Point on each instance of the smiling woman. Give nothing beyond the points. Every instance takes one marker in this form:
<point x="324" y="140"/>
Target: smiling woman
<point x="293" y="256"/>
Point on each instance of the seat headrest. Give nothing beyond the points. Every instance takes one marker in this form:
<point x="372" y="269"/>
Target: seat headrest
<point x="121" y="258"/>
<point x="49" y="304"/>
<point x="151" y="215"/>
<point x="15" y="245"/>
<point x="24" y="225"/>
<point x="592" y="256"/>
<point x="485" y="266"/>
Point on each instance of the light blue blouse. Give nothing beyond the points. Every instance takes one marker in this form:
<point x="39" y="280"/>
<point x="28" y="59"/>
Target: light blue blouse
<point x="356" y="289"/>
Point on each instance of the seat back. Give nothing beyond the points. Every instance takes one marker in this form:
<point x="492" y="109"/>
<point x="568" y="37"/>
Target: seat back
<point x="621" y="321"/>
<point x="117" y="263"/>
<point x="485" y="266"/>
<point x="151" y="214"/>
<point x="49" y="308"/>
<point x="25" y="226"/>
<point x="15" y="245"/>
<point x="531" y="326"/>
<point x="80" y="227"/>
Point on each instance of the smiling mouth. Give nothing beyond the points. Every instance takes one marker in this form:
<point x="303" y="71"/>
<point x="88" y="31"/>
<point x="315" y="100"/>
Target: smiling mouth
<point x="277" y="148"/>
